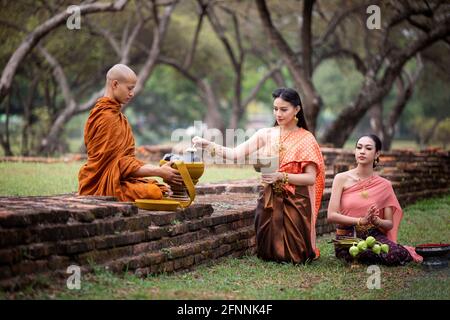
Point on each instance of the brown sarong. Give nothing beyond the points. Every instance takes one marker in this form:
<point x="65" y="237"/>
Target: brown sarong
<point x="283" y="226"/>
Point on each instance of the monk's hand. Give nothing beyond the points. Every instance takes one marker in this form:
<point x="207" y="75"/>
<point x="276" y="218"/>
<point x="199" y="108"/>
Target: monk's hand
<point x="170" y="175"/>
<point x="271" y="177"/>
<point x="199" y="142"/>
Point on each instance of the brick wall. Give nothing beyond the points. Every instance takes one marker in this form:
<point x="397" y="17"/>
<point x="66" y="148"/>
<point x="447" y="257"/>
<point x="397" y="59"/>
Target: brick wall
<point x="42" y="236"/>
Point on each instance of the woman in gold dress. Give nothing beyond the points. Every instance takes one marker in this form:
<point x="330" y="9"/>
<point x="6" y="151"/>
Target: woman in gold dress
<point x="288" y="205"/>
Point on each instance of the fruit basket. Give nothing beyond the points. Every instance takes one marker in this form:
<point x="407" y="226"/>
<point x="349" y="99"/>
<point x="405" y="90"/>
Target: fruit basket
<point x="345" y="242"/>
<point x="357" y="245"/>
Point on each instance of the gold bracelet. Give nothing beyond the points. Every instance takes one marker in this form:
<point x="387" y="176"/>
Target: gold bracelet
<point x="284" y="179"/>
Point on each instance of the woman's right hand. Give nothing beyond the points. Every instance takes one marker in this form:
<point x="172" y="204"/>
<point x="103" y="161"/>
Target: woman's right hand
<point x="200" y="142"/>
<point x="369" y="215"/>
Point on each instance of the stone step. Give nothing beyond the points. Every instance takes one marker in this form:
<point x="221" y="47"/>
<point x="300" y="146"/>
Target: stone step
<point x="210" y="249"/>
<point x="24" y="212"/>
<point x="140" y="229"/>
<point x="36" y="257"/>
<point x="73" y="229"/>
<point x="184" y="256"/>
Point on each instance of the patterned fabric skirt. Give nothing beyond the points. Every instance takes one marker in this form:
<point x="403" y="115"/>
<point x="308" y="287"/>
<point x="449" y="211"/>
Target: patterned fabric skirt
<point x="397" y="255"/>
<point x="283" y="226"/>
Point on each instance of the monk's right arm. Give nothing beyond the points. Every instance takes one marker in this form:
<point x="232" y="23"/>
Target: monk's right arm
<point x="146" y="170"/>
<point x="166" y="172"/>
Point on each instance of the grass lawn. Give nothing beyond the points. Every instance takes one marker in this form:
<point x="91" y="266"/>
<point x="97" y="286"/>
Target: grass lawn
<point x="29" y="179"/>
<point x="251" y="278"/>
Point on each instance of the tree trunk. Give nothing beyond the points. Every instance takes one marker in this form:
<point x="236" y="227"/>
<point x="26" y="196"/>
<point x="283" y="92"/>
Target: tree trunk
<point x="41" y="31"/>
<point x="278" y="78"/>
<point x="6" y="145"/>
<point x="213" y="118"/>
<point x="374" y="90"/>
<point x="376" y="119"/>
<point x="238" y="110"/>
<point x="310" y="98"/>
<point x="28" y="107"/>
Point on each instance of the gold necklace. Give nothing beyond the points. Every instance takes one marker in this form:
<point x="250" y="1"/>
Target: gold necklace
<point x="364" y="193"/>
<point x="281" y="148"/>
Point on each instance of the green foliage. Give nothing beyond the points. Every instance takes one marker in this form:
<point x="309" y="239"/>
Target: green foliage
<point x="167" y="103"/>
<point x="442" y="134"/>
<point x="338" y="83"/>
<point x="171" y="101"/>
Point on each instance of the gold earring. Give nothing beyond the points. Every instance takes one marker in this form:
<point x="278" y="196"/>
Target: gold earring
<point x="296" y="119"/>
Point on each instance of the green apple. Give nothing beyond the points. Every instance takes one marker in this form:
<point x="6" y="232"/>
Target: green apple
<point x="370" y="241"/>
<point x="362" y="245"/>
<point x="353" y="251"/>
<point x="385" y="248"/>
<point x="376" y="248"/>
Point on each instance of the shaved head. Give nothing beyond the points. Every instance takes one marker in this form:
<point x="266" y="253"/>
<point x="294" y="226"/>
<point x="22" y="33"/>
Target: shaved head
<point x="120" y="83"/>
<point x="120" y="72"/>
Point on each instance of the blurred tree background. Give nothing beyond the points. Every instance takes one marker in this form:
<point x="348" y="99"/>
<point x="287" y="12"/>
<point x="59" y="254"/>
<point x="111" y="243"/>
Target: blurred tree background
<point x="218" y="61"/>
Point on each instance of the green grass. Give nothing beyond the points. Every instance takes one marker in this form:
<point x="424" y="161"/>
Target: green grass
<point x="251" y="278"/>
<point x="30" y="179"/>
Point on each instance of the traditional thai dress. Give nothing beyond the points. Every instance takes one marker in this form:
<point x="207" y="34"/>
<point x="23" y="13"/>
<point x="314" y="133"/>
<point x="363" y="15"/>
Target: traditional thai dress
<point x="111" y="157"/>
<point x="355" y="201"/>
<point x="286" y="214"/>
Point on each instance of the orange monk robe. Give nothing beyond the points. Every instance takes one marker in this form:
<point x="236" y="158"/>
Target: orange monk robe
<point x="111" y="157"/>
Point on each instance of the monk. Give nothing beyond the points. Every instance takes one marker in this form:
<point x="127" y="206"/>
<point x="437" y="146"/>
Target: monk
<point x="112" y="168"/>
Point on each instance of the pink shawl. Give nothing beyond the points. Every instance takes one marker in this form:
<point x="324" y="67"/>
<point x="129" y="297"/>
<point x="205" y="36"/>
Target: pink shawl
<point x="378" y="191"/>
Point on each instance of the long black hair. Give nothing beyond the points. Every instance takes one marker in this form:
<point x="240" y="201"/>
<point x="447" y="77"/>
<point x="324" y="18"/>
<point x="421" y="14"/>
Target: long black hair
<point x="291" y="96"/>
<point x="378" y="145"/>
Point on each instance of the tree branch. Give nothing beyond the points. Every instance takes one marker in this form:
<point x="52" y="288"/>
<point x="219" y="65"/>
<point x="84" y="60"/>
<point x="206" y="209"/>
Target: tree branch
<point x="158" y="35"/>
<point x="259" y="85"/>
<point x="60" y="77"/>
<point x="338" y="18"/>
<point x="342" y="52"/>
<point x="105" y="33"/>
<point x="218" y="28"/>
<point x="41" y="31"/>
<point x="306" y="37"/>
<point x="190" y="56"/>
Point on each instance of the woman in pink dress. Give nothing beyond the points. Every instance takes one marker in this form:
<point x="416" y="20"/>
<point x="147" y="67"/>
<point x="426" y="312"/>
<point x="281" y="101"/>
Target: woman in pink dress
<point x="364" y="204"/>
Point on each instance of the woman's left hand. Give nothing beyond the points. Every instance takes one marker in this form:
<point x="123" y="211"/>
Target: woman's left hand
<point x="271" y="177"/>
<point x="375" y="219"/>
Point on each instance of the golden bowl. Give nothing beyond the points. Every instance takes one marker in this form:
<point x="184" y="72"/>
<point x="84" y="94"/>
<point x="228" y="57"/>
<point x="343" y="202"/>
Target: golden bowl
<point x="157" y="205"/>
<point x="195" y="169"/>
